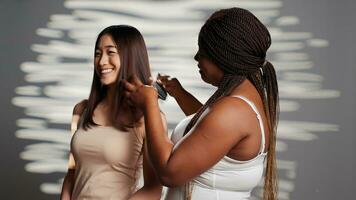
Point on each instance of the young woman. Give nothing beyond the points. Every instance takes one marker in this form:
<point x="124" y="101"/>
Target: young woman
<point x="108" y="142"/>
<point x="219" y="153"/>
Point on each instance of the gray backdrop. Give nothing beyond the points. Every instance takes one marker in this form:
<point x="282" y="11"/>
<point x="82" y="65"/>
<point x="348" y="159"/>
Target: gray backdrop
<point x="46" y="68"/>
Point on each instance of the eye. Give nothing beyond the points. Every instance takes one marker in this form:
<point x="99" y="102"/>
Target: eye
<point x="97" y="54"/>
<point x="111" y="52"/>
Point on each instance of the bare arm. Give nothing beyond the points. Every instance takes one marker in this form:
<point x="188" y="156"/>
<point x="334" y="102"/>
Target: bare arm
<point x="216" y="134"/>
<point x="212" y="139"/>
<point x="186" y="101"/>
<point x="68" y="182"/>
<point x="152" y="187"/>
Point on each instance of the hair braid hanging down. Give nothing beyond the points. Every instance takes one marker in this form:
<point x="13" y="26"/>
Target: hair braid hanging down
<point x="237" y="42"/>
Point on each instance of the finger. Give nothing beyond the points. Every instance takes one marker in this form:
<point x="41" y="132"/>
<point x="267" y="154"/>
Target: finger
<point x="168" y="86"/>
<point x="136" y="81"/>
<point x="150" y="80"/>
<point x="130" y="79"/>
<point x="163" y="77"/>
<point x="128" y="86"/>
<point x="159" y="81"/>
<point x="173" y="81"/>
<point x="127" y="94"/>
<point x="164" y="81"/>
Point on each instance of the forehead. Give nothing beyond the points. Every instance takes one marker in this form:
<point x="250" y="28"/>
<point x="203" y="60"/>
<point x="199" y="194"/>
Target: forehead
<point x="106" y="41"/>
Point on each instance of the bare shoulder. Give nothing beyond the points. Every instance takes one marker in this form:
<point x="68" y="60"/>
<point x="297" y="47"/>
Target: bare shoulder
<point x="232" y="112"/>
<point x="79" y="107"/>
<point x="77" y="112"/>
<point x="231" y="106"/>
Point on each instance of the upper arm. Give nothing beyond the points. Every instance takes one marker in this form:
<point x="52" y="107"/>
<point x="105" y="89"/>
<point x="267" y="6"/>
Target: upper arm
<point x="212" y="139"/>
<point x="77" y="111"/>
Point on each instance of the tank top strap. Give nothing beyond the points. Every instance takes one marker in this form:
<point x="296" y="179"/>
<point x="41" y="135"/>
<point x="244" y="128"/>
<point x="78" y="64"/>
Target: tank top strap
<point x="259" y="118"/>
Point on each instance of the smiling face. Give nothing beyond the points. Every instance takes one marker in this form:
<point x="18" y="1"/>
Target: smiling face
<point x="107" y="60"/>
<point x="209" y="71"/>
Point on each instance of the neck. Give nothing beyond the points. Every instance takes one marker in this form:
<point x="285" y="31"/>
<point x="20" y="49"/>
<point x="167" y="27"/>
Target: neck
<point x="109" y="99"/>
<point x="221" y="83"/>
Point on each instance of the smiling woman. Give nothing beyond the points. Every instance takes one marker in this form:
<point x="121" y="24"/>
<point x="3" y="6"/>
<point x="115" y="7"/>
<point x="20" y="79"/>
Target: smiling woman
<point x="120" y="52"/>
<point x="107" y="146"/>
<point x="107" y="60"/>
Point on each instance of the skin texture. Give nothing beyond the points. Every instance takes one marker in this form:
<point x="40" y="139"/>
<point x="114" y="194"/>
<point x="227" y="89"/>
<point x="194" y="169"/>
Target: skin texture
<point x="186" y="101"/>
<point x="209" y="72"/>
<point x="229" y="129"/>
<point x="107" y="57"/>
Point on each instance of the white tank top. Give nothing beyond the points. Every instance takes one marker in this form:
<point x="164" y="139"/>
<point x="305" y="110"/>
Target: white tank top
<point x="227" y="179"/>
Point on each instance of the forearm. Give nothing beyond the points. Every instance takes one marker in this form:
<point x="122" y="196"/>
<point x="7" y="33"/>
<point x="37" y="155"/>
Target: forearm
<point x="68" y="184"/>
<point x="159" y="145"/>
<point x="188" y="103"/>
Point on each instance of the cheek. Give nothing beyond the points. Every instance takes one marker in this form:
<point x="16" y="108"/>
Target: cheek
<point x="117" y="72"/>
<point x="118" y="64"/>
<point x="115" y="61"/>
<point x="208" y="72"/>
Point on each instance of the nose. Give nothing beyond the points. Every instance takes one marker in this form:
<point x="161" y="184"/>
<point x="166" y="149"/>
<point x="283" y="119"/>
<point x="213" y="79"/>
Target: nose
<point x="103" y="60"/>
<point x="197" y="56"/>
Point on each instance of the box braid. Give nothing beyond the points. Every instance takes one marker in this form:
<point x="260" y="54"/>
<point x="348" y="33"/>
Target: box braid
<point x="237" y="42"/>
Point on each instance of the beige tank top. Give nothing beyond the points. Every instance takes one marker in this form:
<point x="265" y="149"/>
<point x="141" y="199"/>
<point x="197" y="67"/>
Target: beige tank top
<point x="108" y="162"/>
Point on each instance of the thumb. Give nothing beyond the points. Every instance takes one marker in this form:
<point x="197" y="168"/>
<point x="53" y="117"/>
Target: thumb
<point x="150" y="80"/>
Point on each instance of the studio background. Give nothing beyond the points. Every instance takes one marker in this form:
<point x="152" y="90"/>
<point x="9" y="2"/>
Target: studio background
<point x="46" y="68"/>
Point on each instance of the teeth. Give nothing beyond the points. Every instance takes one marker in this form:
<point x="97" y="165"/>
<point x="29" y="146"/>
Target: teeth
<point x="105" y="71"/>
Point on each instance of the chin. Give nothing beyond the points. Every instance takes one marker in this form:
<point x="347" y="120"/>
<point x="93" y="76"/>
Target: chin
<point x="205" y="80"/>
<point x="209" y="82"/>
<point x="107" y="82"/>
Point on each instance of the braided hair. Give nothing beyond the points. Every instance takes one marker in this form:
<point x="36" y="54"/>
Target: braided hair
<point x="237" y="42"/>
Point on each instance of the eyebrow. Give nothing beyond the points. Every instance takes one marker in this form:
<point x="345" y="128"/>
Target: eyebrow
<point x="107" y="46"/>
<point x="110" y="46"/>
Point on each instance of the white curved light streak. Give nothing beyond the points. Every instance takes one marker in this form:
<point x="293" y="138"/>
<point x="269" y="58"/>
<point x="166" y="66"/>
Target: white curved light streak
<point x="55" y="85"/>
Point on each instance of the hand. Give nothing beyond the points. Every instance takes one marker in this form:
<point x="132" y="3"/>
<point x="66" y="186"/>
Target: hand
<point x="139" y="94"/>
<point x="171" y="85"/>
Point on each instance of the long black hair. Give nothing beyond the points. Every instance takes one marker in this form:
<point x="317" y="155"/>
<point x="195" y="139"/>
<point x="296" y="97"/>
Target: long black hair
<point x="133" y="61"/>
